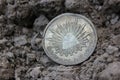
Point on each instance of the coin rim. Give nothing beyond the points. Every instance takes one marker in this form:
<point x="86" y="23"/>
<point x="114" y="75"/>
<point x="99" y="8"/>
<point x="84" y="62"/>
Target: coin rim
<point x="89" y="52"/>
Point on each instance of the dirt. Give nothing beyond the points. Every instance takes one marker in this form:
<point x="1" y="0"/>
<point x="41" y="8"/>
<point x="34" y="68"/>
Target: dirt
<point x="20" y="20"/>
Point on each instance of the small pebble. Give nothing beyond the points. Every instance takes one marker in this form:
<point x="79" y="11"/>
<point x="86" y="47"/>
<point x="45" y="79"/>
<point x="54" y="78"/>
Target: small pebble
<point x="35" y="72"/>
<point x="40" y="23"/>
<point x="112" y="69"/>
<point x="9" y="54"/>
<point x="19" y="41"/>
<point x="114" y="20"/>
<point x="3" y="41"/>
<point x="111" y="49"/>
<point x="116" y="39"/>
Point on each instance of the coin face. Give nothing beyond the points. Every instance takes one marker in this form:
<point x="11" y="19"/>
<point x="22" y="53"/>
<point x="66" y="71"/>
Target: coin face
<point x="69" y="39"/>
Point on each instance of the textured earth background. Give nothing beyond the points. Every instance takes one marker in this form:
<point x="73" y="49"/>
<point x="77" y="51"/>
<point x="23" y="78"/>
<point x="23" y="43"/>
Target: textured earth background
<point x="20" y="20"/>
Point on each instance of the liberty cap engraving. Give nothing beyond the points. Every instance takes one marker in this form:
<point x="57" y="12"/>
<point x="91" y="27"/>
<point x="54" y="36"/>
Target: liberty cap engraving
<point x="69" y="39"/>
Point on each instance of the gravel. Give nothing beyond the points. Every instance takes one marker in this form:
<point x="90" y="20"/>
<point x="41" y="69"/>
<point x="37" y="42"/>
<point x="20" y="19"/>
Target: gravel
<point x="3" y="41"/>
<point x="40" y="23"/>
<point x="9" y="55"/>
<point x="114" y="20"/>
<point x="111" y="49"/>
<point x="116" y="40"/>
<point x="77" y="5"/>
<point x="111" y="72"/>
<point x="6" y="74"/>
<point x="19" y="41"/>
<point x="20" y="20"/>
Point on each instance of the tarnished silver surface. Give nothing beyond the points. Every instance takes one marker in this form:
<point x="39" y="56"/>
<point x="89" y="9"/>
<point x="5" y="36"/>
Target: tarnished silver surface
<point x="69" y="39"/>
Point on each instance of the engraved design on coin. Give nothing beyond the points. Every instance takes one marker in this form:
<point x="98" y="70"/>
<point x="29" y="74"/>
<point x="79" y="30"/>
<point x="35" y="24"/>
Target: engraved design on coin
<point x="69" y="39"/>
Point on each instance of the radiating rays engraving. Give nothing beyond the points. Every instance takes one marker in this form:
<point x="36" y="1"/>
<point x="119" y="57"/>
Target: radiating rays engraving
<point x="69" y="37"/>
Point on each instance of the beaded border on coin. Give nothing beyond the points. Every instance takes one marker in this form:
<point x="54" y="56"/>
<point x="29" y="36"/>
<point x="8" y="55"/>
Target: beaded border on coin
<point x="60" y="61"/>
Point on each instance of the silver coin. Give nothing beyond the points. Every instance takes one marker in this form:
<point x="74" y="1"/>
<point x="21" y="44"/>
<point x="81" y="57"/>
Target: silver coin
<point x="69" y="39"/>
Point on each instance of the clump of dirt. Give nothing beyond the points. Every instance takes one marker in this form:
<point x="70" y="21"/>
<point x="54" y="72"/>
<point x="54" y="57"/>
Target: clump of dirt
<point x="21" y="19"/>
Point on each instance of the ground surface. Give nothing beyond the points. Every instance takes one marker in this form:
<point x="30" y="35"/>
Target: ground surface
<point x="20" y="20"/>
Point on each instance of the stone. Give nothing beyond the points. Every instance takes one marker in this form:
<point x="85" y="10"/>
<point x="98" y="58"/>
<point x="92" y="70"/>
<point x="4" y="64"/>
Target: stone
<point x="45" y="60"/>
<point x="71" y="3"/>
<point x="60" y="77"/>
<point x="61" y="68"/>
<point x="19" y="41"/>
<point x="35" y="72"/>
<point x="9" y="29"/>
<point x="11" y="13"/>
<point x="2" y="19"/>
<point x="6" y="74"/>
<point x="107" y="23"/>
<point x="11" y="58"/>
<point x="23" y="15"/>
<point x="100" y="58"/>
<point x="40" y="23"/>
<point x="117" y="55"/>
<point x="9" y="54"/>
<point x="30" y="58"/>
<point x="2" y="6"/>
<point x="111" y="49"/>
<point x="114" y="20"/>
<point x="111" y="72"/>
<point x="109" y="59"/>
<point x="3" y="41"/>
<point x="110" y="2"/>
<point x="46" y="78"/>
<point x="61" y="73"/>
<point x="98" y="7"/>
<point x="48" y="5"/>
<point x="4" y="63"/>
<point x="25" y="30"/>
<point x="116" y="39"/>
<point x="111" y="6"/>
<point x="116" y="28"/>
<point x="19" y="72"/>
<point x="10" y="2"/>
<point x="77" y="5"/>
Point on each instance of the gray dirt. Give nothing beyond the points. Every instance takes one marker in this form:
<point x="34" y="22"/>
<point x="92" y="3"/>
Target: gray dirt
<point x="20" y="20"/>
